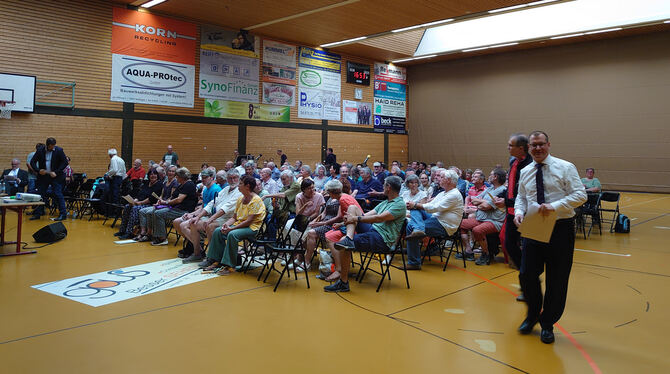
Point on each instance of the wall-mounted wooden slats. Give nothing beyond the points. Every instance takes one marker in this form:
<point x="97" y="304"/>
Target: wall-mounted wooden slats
<point x="354" y="147"/>
<point x="88" y="153"/>
<point x="297" y="144"/>
<point x="194" y="143"/>
<point x="398" y="149"/>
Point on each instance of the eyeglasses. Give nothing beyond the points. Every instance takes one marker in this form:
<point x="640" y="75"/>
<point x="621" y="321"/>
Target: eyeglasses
<point x="537" y="145"/>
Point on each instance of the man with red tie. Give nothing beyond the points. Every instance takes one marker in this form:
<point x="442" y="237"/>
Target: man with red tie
<point x="553" y="185"/>
<point x="518" y="149"/>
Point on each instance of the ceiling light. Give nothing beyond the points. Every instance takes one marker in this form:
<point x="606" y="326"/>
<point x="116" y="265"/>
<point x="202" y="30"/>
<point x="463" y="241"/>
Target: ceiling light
<point x="567" y="36"/>
<point x="508" y="8"/>
<point x="151" y="3"/>
<point x="557" y="19"/>
<point x="607" y="30"/>
<point x="423" y="25"/>
<point x="343" y="42"/>
<point x="412" y="58"/>
<point x="475" y="49"/>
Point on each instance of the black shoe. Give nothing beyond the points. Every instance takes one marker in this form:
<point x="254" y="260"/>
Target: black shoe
<point x="126" y="236"/>
<point x="412" y="267"/>
<point x="119" y="233"/>
<point x="338" y="286"/>
<point x="34" y="217"/>
<point x="547" y="336"/>
<point x="346" y="244"/>
<point x="484" y="259"/>
<point x="521" y="298"/>
<point x="527" y="326"/>
<point x="186" y="251"/>
<point x="60" y="218"/>
<point x="468" y="256"/>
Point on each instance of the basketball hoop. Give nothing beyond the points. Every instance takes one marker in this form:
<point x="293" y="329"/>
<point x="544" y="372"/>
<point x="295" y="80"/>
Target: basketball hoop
<point x="6" y="109"/>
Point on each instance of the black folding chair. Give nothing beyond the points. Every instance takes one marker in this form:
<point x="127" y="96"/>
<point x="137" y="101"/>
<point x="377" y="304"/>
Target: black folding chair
<point x="387" y="264"/>
<point x="611" y="199"/>
<point x="287" y="251"/>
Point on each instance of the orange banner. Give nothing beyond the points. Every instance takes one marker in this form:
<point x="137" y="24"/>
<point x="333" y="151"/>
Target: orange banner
<point x="146" y="35"/>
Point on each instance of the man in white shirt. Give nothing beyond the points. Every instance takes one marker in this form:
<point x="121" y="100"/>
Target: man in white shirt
<point x="554" y="185"/>
<point x="269" y="184"/>
<point x="115" y="175"/>
<point x="211" y="216"/>
<point x="447" y="212"/>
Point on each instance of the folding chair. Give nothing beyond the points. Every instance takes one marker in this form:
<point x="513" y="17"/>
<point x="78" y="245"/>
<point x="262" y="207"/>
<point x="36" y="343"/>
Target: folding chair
<point x="397" y="248"/>
<point x="287" y="251"/>
<point x="612" y="198"/>
<point x="589" y="211"/>
<point x="251" y="247"/>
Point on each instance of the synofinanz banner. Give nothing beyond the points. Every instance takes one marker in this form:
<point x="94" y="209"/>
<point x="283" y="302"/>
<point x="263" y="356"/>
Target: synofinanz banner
<point x="228" y="77"/>
<point x="116" y="285"/>
<point x="152" y="59"/>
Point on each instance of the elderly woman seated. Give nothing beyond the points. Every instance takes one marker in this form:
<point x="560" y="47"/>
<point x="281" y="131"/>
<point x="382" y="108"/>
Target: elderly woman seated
<point x="146" y="198"/>
<point x="411" y="192"/>
<point x="147" y="214"/>
<point x="244" y="224"/>
<point x="308" y="203"/>
<point x="320" y="177"/>
<point x="183" y="200"/>
<point x="488" y="217"/>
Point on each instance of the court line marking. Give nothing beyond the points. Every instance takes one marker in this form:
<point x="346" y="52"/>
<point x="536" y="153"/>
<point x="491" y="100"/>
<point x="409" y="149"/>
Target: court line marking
<point x="622" y="269"/>
<point x="625" y="323"/>
<point x="602" y="252"/>
<point x="485" y="332"/>
<point x="130" y="315"/>
<point x="650" y="219"/>
<point x="662" y="227"/>
<point x="645" y="202"/>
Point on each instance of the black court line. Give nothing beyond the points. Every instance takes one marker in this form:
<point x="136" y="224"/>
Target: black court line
<point x="131" y="315"/>
<point x="485" y="332"/>
<point x="448" y="294"/>
<point x="647" y="307"/>
<point x="634" y="289"/>
<point x="429" y="333"/>
<point x="621" y="269"/>
<point x="626" y="323"/>
<point x="578" y="332"/>
<point x="600" y="275"/>
<point x="650" y="219"/>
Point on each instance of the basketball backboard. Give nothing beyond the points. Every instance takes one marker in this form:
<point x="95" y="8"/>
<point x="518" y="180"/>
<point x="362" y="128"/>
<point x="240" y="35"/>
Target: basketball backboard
<point x="18" y="88"/>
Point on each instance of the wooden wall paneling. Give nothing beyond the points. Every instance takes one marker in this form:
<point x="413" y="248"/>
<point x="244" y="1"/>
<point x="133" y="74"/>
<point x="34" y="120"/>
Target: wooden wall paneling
<point x="603" y="104"/>
<point x="297" y="144"/>
<point x="61" y="43"/>
<point x="84" y="139"/>
<point x="398" y="149"/>
<point x="194" y="143"/>
<point x="354" y="147"/>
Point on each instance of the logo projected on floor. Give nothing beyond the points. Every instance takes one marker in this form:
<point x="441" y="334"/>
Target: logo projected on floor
<point x="121" y="284"/>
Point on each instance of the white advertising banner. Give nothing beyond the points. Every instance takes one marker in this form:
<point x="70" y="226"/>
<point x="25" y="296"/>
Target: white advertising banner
<point x="112" y="286"/>
<point x="279" y="54"/>
<point x="224" y="88"/>
<point x="328" y="85"/>
<point x="331" y="105"/>
<point x="228" y="65"/>
<point x="390" y="73"/>
<point x="356" y="112"/>
<point x="146" y="81"/>
<point x="319" y="79"/>
<point x="230" y="77"/>
<point x="278" y="94"/>
<point x="390" y="107"/>
<point x="311" y="104"/>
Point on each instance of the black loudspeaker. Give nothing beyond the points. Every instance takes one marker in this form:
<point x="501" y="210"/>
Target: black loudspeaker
<point x="50" y="233"/>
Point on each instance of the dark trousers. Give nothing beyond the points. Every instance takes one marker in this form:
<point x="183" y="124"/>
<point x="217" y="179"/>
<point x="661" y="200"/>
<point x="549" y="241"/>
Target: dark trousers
<point x="57" y="190"/>
<point x="112" y="195"/>
<point x="557" y="256"/>
<point x="513" y="241"/>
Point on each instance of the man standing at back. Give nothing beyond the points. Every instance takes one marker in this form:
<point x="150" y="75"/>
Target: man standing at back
<point x="518" y="149"/>
<point x="170" y="158"/>
<point x="553" y="185"/>
<point x="50" y="162"/>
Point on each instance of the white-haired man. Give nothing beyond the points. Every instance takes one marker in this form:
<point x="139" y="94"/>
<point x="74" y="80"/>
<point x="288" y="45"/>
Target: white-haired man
<point x="115" y="175"/>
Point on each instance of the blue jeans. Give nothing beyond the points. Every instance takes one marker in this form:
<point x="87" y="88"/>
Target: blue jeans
<point x="56" y="189"/>
<point x="422" y="221"/>
<point x="31" y="185"/>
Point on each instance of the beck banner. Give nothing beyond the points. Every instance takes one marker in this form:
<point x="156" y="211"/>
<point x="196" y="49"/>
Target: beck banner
<point x="228" y="77"/>
<point x="356" y="112"/>
<point x="390" y="73"/>
<point x="278" y="94"/>
<point x="389" y="124"/>
<point x="152" y="59"/>
<point x="253" y="112"/>
<point x="112" y="286"/>
<point x="234" y="42"/>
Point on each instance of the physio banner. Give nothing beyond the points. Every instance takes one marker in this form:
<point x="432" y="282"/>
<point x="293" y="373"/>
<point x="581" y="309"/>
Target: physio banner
<point x="319" y="82"/>
<point x="253" y="112"/>
<point x="153" y="59"/>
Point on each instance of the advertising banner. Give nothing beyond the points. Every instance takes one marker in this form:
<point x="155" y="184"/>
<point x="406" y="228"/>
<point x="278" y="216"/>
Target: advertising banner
<point x="276" y="74"/>
<point x="227" y="65"/>
<point x="321" y="80"/>
<point x="279" y="63"/>
<point x="394" y="125"/>
<point x="112" y="286"/>
<point x="311" y="103"/>
<point x="228" y="77"/>
<point x="278" y="94"/>
<point x="390" y="73"/>
<point x="390" y="90"/>
<point x="322" y="60"/>
<point x="152" y="59"/>
<point x="253" y="112"/>
<point x="356" y="112"/>
<point x="390" y="107"/>
<point x="224" y="88"/>
<point x="239" y="43"/>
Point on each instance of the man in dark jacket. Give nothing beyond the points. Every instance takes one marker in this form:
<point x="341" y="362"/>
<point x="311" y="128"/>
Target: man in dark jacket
<point x="15" y="179"/>
<point x="50" y="162"/>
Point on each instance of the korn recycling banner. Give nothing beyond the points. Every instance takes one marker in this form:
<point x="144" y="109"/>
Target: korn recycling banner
<point x="320" y="83"/>
<point x="153" y="59"/>
<point x="226" y="76"/>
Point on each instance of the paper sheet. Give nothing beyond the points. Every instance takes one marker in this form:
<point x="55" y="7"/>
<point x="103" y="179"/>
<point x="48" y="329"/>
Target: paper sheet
<point x="129" y="199"/>
<point x="128" y="241"/>
<point x="536" y="226"/>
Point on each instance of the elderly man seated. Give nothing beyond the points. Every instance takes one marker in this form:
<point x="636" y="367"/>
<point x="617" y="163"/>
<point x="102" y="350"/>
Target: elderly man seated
<point x="221" y="176"/>
<point x="207" y="219"/>
<point x="137" y="171"/>
<point x="477" y="188"/>
<point x="269" y="184"/>
<point x="368" y="188"/>
<point x="376" y="231"/>
<point x="438" y="218"/>
<point x="283" y="202"/>
<point x="15" y="179"/>
<point x="488" y="217"/>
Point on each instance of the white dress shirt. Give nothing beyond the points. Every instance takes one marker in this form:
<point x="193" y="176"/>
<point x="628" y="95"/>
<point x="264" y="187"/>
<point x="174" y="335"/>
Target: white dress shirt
<point x="563" y="188"/>
<point x="271" y="186"/>
<point x="447" y="207"/>
<point x="116" y="167"/>
<point x="225" y="200"/>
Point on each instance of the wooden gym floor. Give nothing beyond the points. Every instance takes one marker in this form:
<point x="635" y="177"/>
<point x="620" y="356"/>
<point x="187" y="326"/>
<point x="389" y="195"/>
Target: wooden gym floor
<point x="454" y="321"/>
